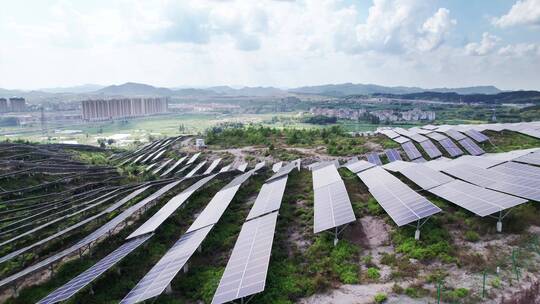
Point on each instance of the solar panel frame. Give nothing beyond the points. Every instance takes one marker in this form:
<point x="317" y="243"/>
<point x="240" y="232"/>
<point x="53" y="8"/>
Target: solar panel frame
<point x="269" y="198"/>
<point x="411" y="151"/>
<point x="79" y="282"/>
<point x="431" y="149"/>
<point x="245" y="273"/>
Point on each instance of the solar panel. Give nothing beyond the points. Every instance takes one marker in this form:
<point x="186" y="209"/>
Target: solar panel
<point x="418" y="138"/>
<point x="419" y="160"/>
<point x="194" y="170"/>
<point x="212" y="166"/>
<point x="162" y="166"/>
<point x="436" y="136"/>
<point x="397" y="165"/>
<point x="450" y="147"/>
<point x="455" y="134"/>
<point x="277" y="166"/>
<point x="430" y="127"/>
<point x="392" y="155"/>
<point x="401" y="203"/>
<point x="258" y="166"/>
<point x="401" y="139"/>
<point x="411" y="150"/>
<point x="225" y="169"/>
<point x="169" y="208"/>
<point x="476" y="135"/>
<point x="359" y="166"/>
<point x="150" y="167"/>
<point x="530" y="132"/>
<point x="193" y="158"/>
<point x="374" y="159"/>
<point x="476" y="199"/>
<point x="269" y="198"/>
<point x="514" y="168"/>
<point x="389" y="133"/>
<point x="157" y="156"/>
<point x="246" y="270"/>
<point x="471" y="147"/>
<point x="531" y="158"/>
<point x="285" y="170"/>
<point x="332" y="205"/>
<point x="515" y="185"/>
<point x="161" y="275"/>
<point x="425" y="177"/>
<point x="176" y="164"/>
<point x="72" y="287"/>
<point x="242" y="167"/>
<point x="430" y="149"/>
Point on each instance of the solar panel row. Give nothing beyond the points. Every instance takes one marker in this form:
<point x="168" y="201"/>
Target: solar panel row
<point x="374" y="158"/>
<point x="455" y="134"/>
<point x="212" y="166"/>
<point x="401" y="139"/>
<point x="392" y="155"/>
<point x="246" y="270"/>
<point x="359" y="166"/>
<point x="476" y="135"/>
<point x="450" y="147"/>
<point x="431" y="149"/>
<point x="425" y="177"/>
<point x="176" y="164"/>
<point x="531" y="158"/>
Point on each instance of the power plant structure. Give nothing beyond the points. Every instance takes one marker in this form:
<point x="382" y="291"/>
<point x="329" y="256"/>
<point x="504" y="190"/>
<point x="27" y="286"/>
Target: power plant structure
<point x="110" y="109"/>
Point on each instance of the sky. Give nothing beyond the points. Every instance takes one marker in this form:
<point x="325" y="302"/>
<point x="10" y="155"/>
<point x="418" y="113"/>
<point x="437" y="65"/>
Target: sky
<point x="425" y="43"/>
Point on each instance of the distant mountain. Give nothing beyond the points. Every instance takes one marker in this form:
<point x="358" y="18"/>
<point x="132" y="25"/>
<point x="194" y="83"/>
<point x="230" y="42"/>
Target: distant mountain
<point x="132" y="88"/>
<point x="515" y="97"/>
<point x="85" y="88"/>
<point x="345" y="89"/>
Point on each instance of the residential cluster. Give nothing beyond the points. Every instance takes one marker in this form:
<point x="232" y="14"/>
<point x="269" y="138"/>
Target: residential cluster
<point x="380" y="115"/>
<point x="108" y="109"/>
<point x="14" y="104"/>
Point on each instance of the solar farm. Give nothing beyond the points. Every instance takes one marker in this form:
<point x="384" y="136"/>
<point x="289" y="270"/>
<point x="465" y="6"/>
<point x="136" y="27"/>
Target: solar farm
<point x="439" y="217"/>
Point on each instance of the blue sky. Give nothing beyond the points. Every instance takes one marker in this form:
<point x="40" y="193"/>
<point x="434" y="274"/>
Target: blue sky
<point x="452" y="43"/>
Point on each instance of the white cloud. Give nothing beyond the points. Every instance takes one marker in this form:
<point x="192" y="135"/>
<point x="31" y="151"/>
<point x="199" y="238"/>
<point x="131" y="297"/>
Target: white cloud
<point x="523" y="12"/>
<point x="486" y="46"/>
<point x="435" y="29"/>
<point x="520" y="50"/>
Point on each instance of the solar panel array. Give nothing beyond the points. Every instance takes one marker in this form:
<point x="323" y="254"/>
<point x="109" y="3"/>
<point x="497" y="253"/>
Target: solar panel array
<point x="476" y="199"/>
<point x="160" y="276"/>
<point x="91" y="237"/>
<point x="169" y="208"/>
<point x="425" y="177"/>
<point x="511" y="184"/>
<point x="359" y="166"/>
<point x="518" y="169"/>
<point x="471" y="147"/>
<point x="79" y="282"/>
<point x="476" y="135"/>
<point x="374" y="158"/>
<point x="450" y="147"/>
<point x="411" y="150"/>
<point x="392" y="155"/>
<point x="401" y="203"/>
<point x="246" y="270"/>
<point x="332" y="205"/>
<point x="431" y="149"/>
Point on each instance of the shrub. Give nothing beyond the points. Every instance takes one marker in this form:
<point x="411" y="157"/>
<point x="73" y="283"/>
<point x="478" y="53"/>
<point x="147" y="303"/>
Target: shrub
<point x="495" y="283"/>
<point x="412" y="292"/>
<point x="396" y="288"/>
<point x="380" y="298"/>
<point x="471" y="236"/>
<point x="373" y="207"/>
<point x="373" y="273"/>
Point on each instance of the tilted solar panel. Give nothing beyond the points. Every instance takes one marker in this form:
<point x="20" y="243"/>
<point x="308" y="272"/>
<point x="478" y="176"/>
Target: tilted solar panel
<point x="277" y="166"/>
<point x="246" y="270"/>
<point x="242" y="167"/>
<point x="425" y="177"/>
<point x="332" y="207"/>
<point x="212" y="166"/>
<point x="325" y="176"/>
<point x="431" y="149"/>
<point x="374" y="159"/>
<point x="518" y="169"/>
<point x="480" y="201"/>
<point x="451" y="147"/>
<point x="455" y="134"/>
<point x="79" y="282"/>
<point x="176" y="164"/>
<point x="359" y="166"/>
<point x="531" y="158"/>
<point x="401" y="139"/>
<point x="161" y="275"/>
<point x="419" y="160"/>
<point x="269" y="198"/>
<point x="392" y="155"/>
<point x="401" y="203"/>
<point x="162" y="166"/>
<point x="193" y="158"/>
<point x="418" y="138"/>
<point x="194" y="170"/>
<point x="476" y="135"/>
<point x="437" y="136"/>
<point x="471" y="147"/>
<point x="411" y="150"/>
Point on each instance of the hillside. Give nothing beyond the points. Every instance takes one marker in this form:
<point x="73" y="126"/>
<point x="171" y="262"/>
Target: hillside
<point x="518" y="97"/>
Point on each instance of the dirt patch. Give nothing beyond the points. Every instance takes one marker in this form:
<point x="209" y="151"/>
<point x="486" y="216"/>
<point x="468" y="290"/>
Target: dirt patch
<point x="349" y="294"/>
<point x="375" y="231"/>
